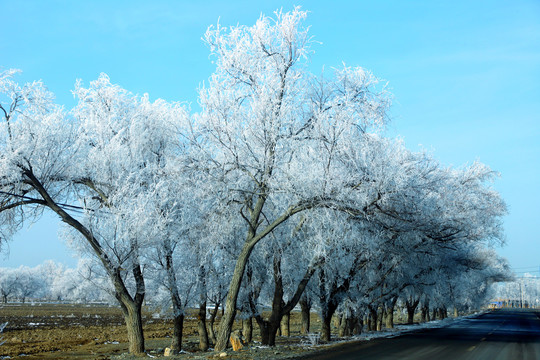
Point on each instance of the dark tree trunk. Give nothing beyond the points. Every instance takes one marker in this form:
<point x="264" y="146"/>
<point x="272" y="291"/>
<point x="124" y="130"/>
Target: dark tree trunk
<point x="390" y="313"/>
<point x="374" y="317"/>
<point x="178" y="327"/>
<point x="410" y="315"/>
<point x="227" y="320"/>
<point x="425" y="311"/>
<point x="213" y="315"/>
<point x="443" y="313"/>
<point x="201" y="317"/>
<point x="411" y="305"/>
<point x="201" y="326"/>
<point x="247" y="329"/>
<point x="326" y="319"/>
<point x="268" y="330"/>
<point x="305" y="306"/>
<point x="358" y="326"/>
<point x="176" y="301"/>
<point x="349" y="325"/>
<point x="263" y="329"/>
<point x="346" y="325"/>
<point x="271" y="327"/>
<point x="132" y="308"/>
<point x="326" y="330"/>
<point x="328" y="305"/>
<point x="326" y="327"/>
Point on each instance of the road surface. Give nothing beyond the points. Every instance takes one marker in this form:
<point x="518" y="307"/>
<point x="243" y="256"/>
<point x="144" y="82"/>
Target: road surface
<point x="511" y="334"/>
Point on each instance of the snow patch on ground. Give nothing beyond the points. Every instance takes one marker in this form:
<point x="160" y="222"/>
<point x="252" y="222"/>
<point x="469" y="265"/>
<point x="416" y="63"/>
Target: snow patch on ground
<point x="398" y="330"/>
<point x="404" y="329"/>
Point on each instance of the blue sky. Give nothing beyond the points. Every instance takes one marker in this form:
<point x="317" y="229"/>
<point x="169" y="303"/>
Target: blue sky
<point x="464" y="74"/>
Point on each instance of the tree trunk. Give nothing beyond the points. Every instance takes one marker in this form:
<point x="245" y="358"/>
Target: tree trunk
<point x="263" y="329"/>
<point x="374" y="318"/>
<point x="345" y="325"/>
<point x="271" y="327"/>
<point x="268" y="330"/>
<point x="358" y="326"/>
<point x="132" y="306"/>
<point x="201" y="326"/>
<point x="225" y="326"/>
<point x="410" y="314"/>
<point x="305" y="306"/>
<point x="390" y="313"/>
<point x="380" y="319"/>
<point x="213" y="315"/>
<point x="326" y="331"/>
<point x="425" y="311"/>
<point x="444" y="313"/>
<point x="274" y="329"/>
<point x="411" y="305"/>
<point x="133" y="319"/>
<point x="247" y="329"/>
<point x="176" y="301"/>
<point x="178" y="327"/>
<point x="367" y="321"/>
<point x="424" y="314"/>
<point x="326" y="319"/>
<point x="286" y="325"/>
<point x="349" y="325"/>
<point x="456" y="312"/>
<point x="201" y="317"/>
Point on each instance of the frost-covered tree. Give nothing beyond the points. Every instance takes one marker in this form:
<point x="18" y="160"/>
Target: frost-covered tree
<point x="37" y="151"/>
<point x="49" y="272"/>
<point x="8" y="283"/>
<point x="270" y="136"/>
<point x="30" y="283"/>
<point x="126" y="144"/>
<point x="101" y="156"/>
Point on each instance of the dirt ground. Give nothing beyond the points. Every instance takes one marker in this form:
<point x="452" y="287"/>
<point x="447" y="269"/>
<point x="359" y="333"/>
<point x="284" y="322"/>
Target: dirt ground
<point x="75" y="331"/>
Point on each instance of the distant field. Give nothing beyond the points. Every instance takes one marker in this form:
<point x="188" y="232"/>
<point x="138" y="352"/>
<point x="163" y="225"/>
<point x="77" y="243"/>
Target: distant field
<point x="52" y="331"/>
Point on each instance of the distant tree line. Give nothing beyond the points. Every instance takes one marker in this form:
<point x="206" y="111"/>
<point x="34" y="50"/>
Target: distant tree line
<point x="53" y="282"/>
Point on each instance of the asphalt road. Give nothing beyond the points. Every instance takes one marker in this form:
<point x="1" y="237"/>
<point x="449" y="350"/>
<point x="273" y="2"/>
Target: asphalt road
<point x="500" y="334"/>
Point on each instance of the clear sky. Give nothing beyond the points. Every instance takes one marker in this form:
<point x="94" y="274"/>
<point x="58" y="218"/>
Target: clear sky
<point x="465" y="77"/>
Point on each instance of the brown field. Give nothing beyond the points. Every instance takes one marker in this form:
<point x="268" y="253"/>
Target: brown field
<point x="76" y="331"/>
